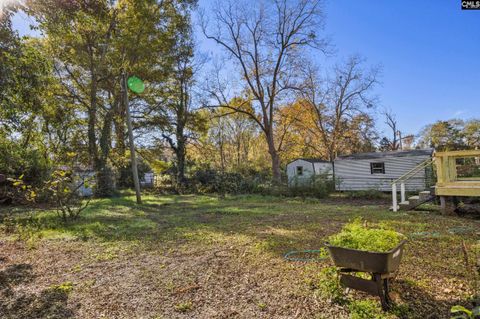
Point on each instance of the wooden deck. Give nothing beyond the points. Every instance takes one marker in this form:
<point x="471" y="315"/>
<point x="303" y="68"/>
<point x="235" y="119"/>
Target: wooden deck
<point x="448" y="183"/>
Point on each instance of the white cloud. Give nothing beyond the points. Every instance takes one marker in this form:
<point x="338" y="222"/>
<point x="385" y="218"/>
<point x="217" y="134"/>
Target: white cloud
<point x="459" y="112"/>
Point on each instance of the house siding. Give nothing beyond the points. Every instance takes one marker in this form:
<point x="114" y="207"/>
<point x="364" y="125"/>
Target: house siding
<point x="355" y="174"/>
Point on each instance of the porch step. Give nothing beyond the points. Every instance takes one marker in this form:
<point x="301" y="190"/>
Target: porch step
<point x="414" y="201"/>
<point x="425" y="195"/>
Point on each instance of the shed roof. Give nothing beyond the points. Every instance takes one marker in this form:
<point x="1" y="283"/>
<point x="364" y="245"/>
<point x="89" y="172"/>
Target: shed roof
<point x="311" y="160"/>
<point x="372" y="155"/>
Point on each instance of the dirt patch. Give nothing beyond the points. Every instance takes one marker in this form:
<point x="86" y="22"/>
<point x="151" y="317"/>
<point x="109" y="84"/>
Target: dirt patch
<point x="212" y="263"/>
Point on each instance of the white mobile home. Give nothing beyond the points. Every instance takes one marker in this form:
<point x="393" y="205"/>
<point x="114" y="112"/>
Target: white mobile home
<point x="302" y="170"/>
<point x="377" y="170"/>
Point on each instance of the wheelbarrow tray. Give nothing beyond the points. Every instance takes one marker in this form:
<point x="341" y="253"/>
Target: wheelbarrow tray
<point x="367" y="261"/>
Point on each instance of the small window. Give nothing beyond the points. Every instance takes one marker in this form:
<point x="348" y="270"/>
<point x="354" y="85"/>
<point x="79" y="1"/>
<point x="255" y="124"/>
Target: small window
<point x="377" y="168"/>
<point x="299" y="170"/>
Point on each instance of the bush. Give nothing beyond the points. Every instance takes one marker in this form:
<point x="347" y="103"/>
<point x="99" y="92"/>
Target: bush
<point x="208" y="180"/>
<point x="63" y="189"/>
<point x="125" y="178"/>
<point x="213" y="181"/>
<point x="16" y="161"/>
<point x="319" y="187"/>
<point x="356" y="236"/>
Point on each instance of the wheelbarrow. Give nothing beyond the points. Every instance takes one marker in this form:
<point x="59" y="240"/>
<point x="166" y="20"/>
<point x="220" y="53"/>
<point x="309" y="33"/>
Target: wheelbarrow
<point x="381" y="267"/>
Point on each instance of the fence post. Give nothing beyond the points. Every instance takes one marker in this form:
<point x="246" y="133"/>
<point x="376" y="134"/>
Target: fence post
<point x="394" y="197"/>
<point x="402" y="192"/>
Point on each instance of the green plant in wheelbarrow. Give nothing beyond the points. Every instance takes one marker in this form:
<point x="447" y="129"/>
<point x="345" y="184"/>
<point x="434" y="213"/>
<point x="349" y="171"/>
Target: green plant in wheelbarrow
<point x="356" y="235"/>
<point x="358" y="249"/>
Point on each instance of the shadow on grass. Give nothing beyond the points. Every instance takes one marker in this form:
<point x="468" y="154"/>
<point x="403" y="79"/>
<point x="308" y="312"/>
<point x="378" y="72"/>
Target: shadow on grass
<point x="275" y="225"/>
<point x="16" y="303"/>
<point x="422" y="304"/>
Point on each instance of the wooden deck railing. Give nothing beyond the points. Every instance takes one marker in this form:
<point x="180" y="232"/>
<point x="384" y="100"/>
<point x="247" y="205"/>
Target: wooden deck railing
<point x="448" y="181"/>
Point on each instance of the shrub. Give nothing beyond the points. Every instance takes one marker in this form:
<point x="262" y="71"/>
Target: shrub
<point x="125" y="176"/>
<point x="213" y="181"/>
<point x="63" y="188"/>
<point x="320" y="186"/>
<point x="354" y="235"/>
<point x="16" y="161"/>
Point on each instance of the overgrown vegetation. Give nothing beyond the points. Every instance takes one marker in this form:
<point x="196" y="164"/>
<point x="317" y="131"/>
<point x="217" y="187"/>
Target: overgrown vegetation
<point x="116" y="249"/>
<point x="356" y="235"/>
<point x="64" y="193"/>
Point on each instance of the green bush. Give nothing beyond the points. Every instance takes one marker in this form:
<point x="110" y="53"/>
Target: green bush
<point x="213" y="181"/>
<point x="354" y="235"/>
<point x="16" y="161"/>
<point x="206" y="180"/>
<point x="125" y="177"/>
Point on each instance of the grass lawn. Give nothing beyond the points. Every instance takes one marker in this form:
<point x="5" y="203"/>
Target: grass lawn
<point x="206" y="257"/>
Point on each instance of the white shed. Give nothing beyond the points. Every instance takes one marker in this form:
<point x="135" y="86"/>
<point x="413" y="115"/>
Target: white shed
<point x="301" y="170"/>
<point x="377" y="170"/>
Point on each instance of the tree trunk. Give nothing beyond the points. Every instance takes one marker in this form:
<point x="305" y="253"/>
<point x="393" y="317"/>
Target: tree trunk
<point x="181" y="154"/>
<point x="92" y="121"/>
<point x="105" y="180"/>
<point x="276" y="172"/>
<point x="119" y="124"/>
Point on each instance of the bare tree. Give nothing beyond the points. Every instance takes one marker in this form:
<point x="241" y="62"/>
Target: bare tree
<point x="391" y="121"/>
<point x="340" y="105"/>
<point x="267" y="46"/>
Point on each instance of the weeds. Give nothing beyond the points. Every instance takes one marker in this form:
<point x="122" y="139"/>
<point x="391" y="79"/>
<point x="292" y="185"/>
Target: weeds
<point x="184" y="306"/>
<point x="354" y="235"/>
<point x="65" y="287"/>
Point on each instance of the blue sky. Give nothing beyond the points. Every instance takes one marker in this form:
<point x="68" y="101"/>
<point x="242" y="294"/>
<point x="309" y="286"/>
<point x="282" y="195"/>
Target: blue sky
<point x="429" y="51"/>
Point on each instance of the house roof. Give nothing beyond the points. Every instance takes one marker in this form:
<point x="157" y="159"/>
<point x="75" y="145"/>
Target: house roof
<point x="373" y="155"/>
<point x="311" y="160"/>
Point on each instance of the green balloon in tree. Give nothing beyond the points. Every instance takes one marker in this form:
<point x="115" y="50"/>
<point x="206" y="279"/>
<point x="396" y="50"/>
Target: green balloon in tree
<point x="135" y="84"/>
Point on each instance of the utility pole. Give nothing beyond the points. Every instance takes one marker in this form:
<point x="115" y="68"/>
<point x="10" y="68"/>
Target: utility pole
<point x="133" y="158"/>
<point x="400" y="140"/>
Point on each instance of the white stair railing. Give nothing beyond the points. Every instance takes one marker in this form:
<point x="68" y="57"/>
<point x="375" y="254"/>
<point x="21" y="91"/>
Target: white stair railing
<point x="402" y="179"/>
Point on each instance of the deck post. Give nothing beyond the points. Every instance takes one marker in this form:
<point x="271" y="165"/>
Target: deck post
<point x="402" y="192"/>
<point x="447" y="205"/>
<point x="394" y="197"/>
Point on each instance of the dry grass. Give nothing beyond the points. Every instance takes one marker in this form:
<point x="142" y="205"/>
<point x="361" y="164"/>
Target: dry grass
<point x="204" y="257"/>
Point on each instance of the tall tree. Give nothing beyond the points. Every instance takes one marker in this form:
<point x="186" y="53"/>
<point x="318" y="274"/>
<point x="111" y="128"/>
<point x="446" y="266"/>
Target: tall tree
<point x="25" y="75"/>
<point x="471" y="132"/>
<point x="391" y="121"/>
<point x="92" y="44"/>
<point x="443" y="135"/>
<point x="340" y="105"/>
<point x="181" y="121"/>
<point x="229" y="142"/>
<point x="266" y="43"/>
<point x="450" y="135"/>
